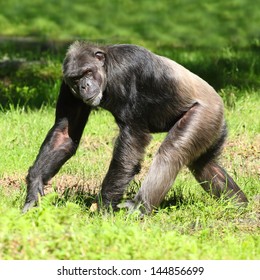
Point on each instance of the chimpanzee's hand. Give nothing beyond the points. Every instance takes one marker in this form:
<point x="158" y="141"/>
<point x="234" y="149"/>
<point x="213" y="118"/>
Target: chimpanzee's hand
<point x="35" y="189"/>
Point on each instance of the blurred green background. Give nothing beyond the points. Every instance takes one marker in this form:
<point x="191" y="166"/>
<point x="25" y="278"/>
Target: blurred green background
<point x="218" y="40"/>
<point x="178" y="22"/>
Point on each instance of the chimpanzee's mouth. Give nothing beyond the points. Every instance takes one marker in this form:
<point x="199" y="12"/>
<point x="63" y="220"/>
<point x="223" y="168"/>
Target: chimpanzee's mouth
<point x="93" y="100"/>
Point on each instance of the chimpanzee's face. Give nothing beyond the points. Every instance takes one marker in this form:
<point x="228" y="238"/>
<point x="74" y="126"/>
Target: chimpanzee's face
<point x="85" y="74"/>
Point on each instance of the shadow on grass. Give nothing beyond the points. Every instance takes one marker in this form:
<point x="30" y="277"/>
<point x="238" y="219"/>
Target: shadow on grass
<point x="85" y="197"/>
<point x="76" y="195"/>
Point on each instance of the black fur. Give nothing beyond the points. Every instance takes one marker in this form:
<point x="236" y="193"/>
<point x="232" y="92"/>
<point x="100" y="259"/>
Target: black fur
<point x="146" y="93"/>
<point x="144" y="77"/>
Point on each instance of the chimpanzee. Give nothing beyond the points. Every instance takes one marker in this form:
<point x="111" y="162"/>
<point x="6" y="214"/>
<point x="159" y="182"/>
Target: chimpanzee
<point x="146" y="93"/>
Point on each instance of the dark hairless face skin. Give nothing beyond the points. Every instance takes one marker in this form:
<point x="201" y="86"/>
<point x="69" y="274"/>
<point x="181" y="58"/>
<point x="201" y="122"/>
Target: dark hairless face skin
<point x="146" y="93"/>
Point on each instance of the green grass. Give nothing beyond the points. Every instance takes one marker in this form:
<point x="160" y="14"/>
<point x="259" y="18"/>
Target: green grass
<point x="179" y="23"/>
<point x="198" y="231"/>
<point x="189" y="225"/>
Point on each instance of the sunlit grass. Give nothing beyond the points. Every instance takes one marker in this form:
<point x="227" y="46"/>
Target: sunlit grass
<point x="188" y="225"/>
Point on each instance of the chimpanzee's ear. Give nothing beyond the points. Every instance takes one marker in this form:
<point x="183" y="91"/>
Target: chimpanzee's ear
<point x="100" y="56"/>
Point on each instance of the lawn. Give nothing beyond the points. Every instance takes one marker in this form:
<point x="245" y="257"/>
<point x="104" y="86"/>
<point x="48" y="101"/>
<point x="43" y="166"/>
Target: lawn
<point x="189" y="225"/>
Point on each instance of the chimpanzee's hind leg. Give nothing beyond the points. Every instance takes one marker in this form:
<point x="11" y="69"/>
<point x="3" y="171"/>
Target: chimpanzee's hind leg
<point x="212" y="177"/>
<point x="191" y="137"/>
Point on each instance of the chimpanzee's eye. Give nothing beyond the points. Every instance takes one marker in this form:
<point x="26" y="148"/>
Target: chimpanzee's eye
<point x="88" y="73"/>
<point x="100" y="56"/>
<point x="75" y="79"/>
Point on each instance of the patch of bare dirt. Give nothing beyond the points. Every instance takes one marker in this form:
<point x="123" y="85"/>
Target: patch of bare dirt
<point x="238" y="155"/>
<point x="60" y="183"/>
<point x="63" y="182"/>
<point x="11" y="182"/>
<point x="243" y="155"/>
